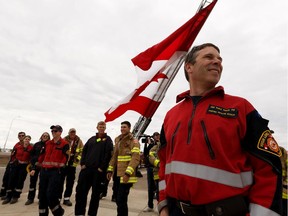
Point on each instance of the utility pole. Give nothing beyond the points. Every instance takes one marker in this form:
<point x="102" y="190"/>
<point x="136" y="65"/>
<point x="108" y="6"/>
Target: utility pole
<point x="4" y="148"/>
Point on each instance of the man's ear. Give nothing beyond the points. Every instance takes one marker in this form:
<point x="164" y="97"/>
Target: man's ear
<point x="188" y="67"/>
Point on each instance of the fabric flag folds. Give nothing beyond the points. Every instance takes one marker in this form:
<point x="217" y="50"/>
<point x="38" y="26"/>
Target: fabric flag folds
<point x="156" y="68"/>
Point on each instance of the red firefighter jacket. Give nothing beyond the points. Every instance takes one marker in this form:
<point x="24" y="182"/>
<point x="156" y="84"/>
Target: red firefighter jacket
<point x="13" y="153"/>
<point x="23" y="155"/>
<point x="219" y="148"/>
<point x="55" y="155"/>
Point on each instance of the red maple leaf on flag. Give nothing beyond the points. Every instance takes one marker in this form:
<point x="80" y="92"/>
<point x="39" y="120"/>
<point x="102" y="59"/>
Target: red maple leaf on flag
<point x="156" y="68"/>
<point x="143" y="87"/>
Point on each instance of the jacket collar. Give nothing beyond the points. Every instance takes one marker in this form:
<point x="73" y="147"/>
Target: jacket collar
<point x="125" y="137"/>
<point x="218" y="90"/>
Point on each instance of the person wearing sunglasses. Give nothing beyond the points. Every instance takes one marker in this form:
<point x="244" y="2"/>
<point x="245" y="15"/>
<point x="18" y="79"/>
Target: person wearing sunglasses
<point x="53" y="157"/>
<point x="17" y="173"/>
<point x="5" y="178"/>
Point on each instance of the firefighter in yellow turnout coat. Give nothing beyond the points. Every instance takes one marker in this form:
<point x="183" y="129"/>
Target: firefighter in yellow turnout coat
<point x="154" y="160"/>
<point x="125" y="159"/>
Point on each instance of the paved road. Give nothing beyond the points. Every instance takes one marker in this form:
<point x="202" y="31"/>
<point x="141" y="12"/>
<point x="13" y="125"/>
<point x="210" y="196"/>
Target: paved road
<point x="136" y="203"/>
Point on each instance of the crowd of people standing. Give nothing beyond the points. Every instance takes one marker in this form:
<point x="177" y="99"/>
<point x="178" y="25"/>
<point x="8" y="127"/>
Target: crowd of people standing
<point x="52" y="162"/>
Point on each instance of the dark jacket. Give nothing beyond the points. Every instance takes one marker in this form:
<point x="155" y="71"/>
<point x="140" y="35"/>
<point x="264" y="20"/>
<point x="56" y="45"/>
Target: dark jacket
<point x="37" y="148"/>
<point x="97" y="152"/>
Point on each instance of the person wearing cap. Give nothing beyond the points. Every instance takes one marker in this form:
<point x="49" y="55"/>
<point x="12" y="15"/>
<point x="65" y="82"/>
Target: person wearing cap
<point x="69" y="171"/>
<point x="96" y="154"/>
<point x="5" y="178"/>
<point x="151" y="184"/>
<point x="53" y="157"/>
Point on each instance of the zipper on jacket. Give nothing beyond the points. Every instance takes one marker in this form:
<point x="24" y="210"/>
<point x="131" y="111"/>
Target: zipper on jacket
<point x="211" y="152"/>
<point x="190" y="124"/>
<point x="173" y="136"/>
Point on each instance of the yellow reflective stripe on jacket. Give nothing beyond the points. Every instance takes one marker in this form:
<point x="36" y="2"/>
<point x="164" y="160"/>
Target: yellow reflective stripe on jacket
<point x="135" y="150"/>
<point x="284" y="195"/>
<point x="156" y="177"/>
<point x="124" y="158"/>
<point x="79" y="150"/>
<point x="129" y="170"/>
<point x="110" y="169"/>
<point x="131" y="180"/>
<point x="156" y="162"/>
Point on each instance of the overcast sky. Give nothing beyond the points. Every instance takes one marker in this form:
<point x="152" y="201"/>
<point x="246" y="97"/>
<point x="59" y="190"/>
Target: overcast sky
<point x="67" y="62"/>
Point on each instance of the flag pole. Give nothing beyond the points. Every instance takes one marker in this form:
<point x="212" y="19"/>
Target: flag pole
<point x="143" y="122"/>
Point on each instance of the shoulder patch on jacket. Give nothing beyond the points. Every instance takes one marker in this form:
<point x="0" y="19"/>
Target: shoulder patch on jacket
<point x="268" y="144"/>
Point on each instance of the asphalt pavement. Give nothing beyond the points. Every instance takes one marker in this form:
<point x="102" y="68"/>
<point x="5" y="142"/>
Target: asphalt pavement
<point x="137" y="201"/>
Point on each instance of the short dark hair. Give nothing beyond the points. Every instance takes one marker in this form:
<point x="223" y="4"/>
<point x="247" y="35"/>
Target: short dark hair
<point x="191" y="56"/>
<point x="156" y="134"/>
<point x="127" y="123"/>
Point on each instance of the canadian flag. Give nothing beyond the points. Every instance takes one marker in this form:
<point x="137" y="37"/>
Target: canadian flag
<point x="157" y="66"/>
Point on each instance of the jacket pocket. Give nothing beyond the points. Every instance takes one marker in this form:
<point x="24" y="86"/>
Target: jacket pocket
<point x="208" y="143"/>
<point x="173" y="137"/>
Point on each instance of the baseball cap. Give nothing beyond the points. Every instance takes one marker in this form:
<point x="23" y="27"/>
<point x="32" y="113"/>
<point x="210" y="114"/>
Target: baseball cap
<point x="56" y="127"/>
<point x="72" y="130"/>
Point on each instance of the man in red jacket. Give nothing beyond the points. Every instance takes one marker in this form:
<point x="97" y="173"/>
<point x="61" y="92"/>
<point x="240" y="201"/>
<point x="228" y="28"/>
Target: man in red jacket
<point x="52" y="159"/>
<point x="17" y="174"/>
<point x="217" y="155"/>
<point x="5" y="178"/>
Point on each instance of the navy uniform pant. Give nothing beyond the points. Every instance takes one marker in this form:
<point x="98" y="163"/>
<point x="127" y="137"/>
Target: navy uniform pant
<point x="122" y="199"/>
<point x="68" y="173"/>
<point x="33" y="183"/>
<point x="151" y="186"/>
<point x="48" y="192"/>
<point x="17" y="176"/>
<point x="88" y="177"/>
<point x="5" y="180"/>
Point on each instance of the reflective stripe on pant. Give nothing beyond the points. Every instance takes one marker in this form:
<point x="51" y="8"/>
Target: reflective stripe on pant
<point x="17" y="176"/>
<point x="5" y="180"/>
<point x="43" y="212"/>
<point x="32" y="186"/>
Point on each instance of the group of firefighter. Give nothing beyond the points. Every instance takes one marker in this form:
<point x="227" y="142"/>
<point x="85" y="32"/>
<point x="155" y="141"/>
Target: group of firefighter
<point x="55" y="160"/>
